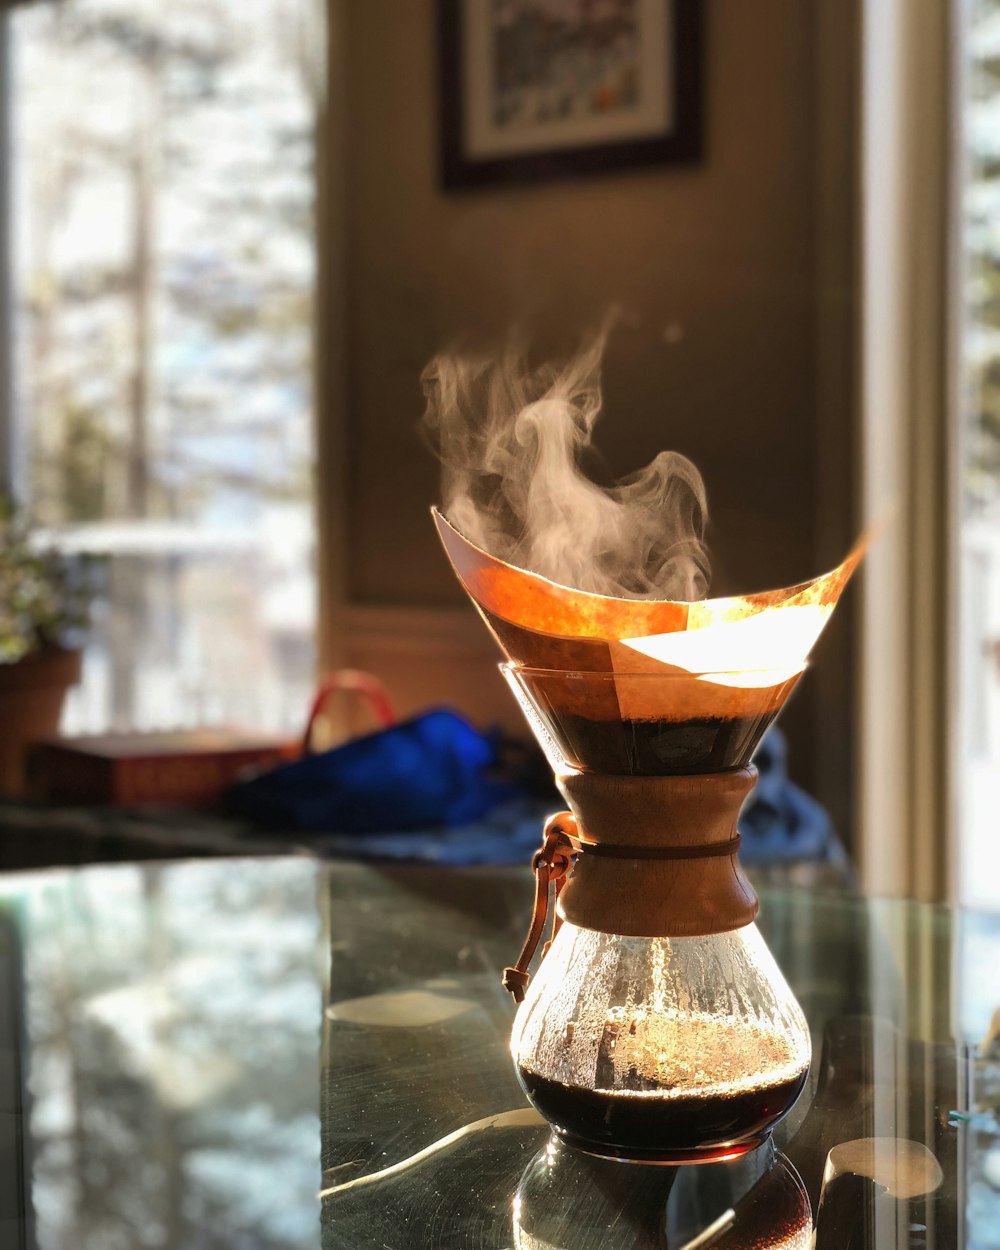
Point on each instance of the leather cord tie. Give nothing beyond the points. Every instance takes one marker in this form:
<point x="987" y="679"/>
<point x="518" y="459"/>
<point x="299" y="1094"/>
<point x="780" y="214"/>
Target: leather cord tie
<point x="708" y="850"/>
<point x="550" y="865"/>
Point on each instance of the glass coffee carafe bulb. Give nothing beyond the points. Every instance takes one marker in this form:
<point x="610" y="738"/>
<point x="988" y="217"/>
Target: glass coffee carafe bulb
<point x="661" y="1048"/>
<point x="658" y="1026"/>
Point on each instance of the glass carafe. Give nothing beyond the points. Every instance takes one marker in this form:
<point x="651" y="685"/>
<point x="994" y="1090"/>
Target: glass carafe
<point x="665" y="1048"/>
<point x="659" y="1026"/>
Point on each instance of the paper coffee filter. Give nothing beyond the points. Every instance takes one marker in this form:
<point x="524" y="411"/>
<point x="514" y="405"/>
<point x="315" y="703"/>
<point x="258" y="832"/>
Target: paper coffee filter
<point x="535" y="603"/>
<point x="684" y="696"/>
<point x="532" y="602"/>
<point x="750" y="648"/>
<point x="774" y="640"/>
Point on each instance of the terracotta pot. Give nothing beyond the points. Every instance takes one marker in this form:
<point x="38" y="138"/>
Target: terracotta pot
<point x="32" y="693"/>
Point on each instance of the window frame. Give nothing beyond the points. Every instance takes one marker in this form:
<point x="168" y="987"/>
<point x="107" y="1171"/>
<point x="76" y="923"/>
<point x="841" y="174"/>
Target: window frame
<point x="907" y="449"/>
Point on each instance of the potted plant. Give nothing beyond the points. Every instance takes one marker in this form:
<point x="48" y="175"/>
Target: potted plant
<point x="44" y="604"/>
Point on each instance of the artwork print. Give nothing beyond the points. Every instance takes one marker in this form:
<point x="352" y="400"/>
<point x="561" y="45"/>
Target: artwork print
<point x="559" y="60"/>
<point x="543" y="88"/>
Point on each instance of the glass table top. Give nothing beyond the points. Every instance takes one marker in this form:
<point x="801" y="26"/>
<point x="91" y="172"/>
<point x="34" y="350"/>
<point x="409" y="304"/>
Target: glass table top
<point x="285" y="1053"/>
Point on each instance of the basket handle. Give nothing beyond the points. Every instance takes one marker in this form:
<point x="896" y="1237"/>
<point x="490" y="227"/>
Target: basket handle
<point x="359" y="682"/>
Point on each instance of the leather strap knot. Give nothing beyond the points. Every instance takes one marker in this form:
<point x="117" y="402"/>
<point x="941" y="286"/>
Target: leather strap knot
<point x="550" y="864"/>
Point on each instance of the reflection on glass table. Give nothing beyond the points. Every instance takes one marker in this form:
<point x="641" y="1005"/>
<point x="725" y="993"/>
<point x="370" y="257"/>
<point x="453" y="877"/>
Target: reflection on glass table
<point x="160" y="1057"/>
<point x="427" y="1141"/>
<point x="289" y="1054"/>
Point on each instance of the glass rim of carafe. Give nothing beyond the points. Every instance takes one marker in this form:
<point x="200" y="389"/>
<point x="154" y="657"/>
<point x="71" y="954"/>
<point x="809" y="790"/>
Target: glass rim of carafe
<point x="671" y="672"/>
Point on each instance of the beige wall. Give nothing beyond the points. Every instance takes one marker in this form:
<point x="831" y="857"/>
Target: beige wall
<point x="723" y="258"/>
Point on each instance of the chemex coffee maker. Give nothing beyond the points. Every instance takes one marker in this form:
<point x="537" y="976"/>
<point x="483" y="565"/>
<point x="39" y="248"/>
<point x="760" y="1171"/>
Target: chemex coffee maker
<point x="658" y="1027"/>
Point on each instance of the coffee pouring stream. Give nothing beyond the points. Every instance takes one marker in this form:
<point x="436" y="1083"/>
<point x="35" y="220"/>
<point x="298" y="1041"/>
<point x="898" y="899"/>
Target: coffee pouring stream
<point x="659" y="1027"/>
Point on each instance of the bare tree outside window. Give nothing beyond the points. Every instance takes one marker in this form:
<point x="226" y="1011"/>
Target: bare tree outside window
<point x="163" y="236"/>
<point x="979" y="649"/>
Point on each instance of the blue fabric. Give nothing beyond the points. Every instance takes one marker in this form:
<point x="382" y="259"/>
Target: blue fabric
<point x="509" y="833"/>
<point x="782" y="822"/>
<point x="431" y="770"/>
<point x="433" y="790"/>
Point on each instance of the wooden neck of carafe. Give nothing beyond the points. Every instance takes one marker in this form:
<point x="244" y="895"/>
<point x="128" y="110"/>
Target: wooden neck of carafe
<point x="660" y="854"/>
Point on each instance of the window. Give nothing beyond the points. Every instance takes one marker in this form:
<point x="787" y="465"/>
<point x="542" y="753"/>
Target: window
<point x="979" y="641"/>
<point x="163" y="290"/>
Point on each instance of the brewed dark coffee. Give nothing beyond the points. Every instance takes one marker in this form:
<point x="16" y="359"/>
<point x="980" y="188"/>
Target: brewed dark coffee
<point x="661" y="747"/>
<point x="668" y="1085"/>
<point x="646" y="1125"/>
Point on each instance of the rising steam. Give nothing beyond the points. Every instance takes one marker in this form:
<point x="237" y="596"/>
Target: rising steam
<point x="510" y="440"/>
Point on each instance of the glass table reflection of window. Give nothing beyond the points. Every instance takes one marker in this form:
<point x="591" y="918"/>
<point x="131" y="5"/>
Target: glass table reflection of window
<point x="287" y="1053"/>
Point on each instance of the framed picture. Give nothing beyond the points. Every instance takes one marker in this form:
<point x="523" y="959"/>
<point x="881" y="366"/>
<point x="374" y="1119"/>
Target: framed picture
<point x="538" y="89"/>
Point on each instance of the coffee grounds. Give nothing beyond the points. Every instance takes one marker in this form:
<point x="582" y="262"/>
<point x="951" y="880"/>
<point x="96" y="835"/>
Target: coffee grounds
<point x="662" y="747"/>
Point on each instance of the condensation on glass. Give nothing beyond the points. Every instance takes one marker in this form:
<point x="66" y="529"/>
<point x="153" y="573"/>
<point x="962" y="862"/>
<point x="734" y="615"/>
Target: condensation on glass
<point x="661" y="1044"/>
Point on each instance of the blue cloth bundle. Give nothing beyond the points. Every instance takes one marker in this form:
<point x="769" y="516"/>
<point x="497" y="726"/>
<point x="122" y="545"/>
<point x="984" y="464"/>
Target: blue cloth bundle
<point x="435" y="789"/>
<point x="433" y="770"/>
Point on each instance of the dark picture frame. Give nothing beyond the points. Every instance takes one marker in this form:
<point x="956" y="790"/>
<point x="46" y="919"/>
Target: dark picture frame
<point x="523" y="155"/>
